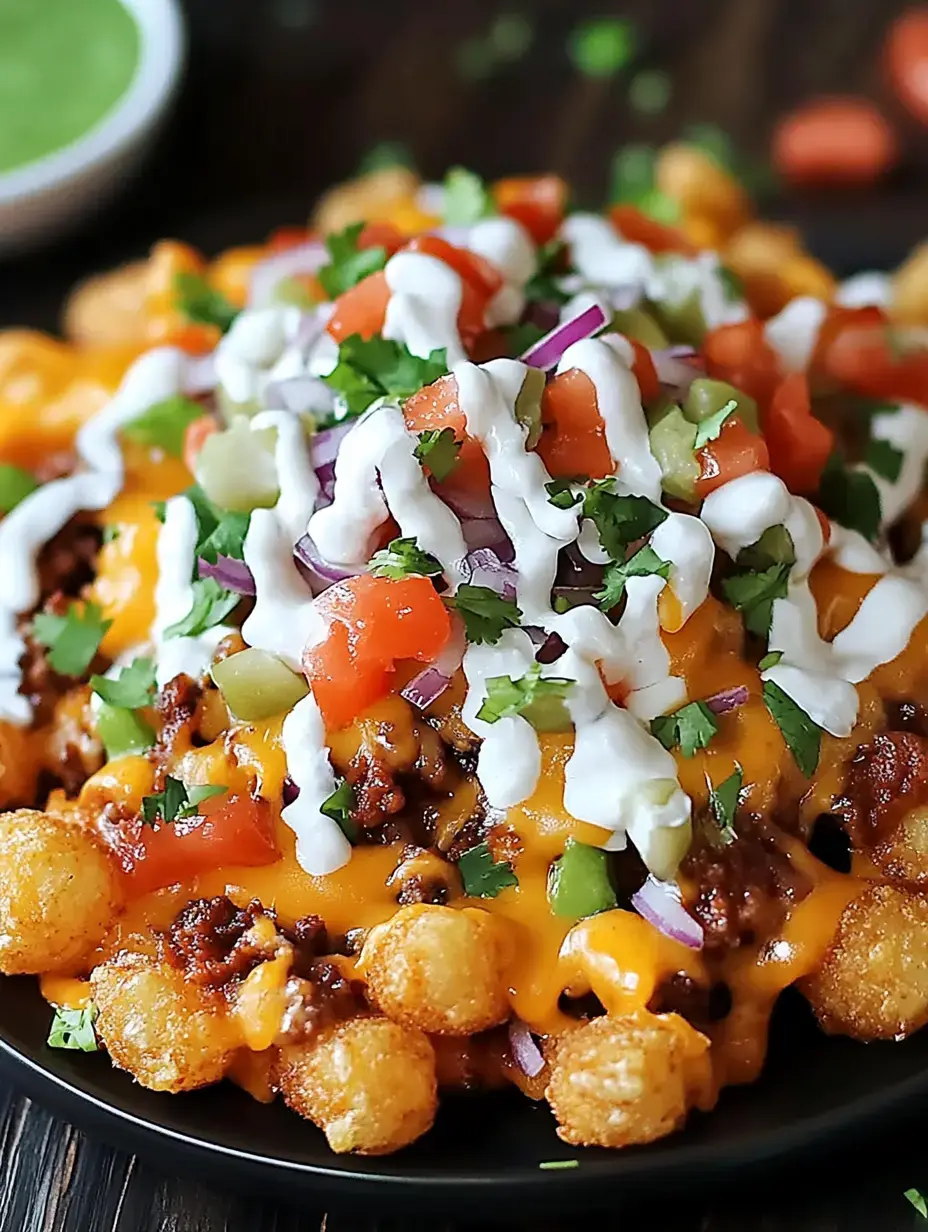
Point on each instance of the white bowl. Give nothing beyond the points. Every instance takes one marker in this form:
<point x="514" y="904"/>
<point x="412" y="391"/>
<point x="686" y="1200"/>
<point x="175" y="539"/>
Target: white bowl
<point x="42" y="197"/>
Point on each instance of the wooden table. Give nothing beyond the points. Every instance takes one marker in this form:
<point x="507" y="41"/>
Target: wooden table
<point x="281" y="98"/>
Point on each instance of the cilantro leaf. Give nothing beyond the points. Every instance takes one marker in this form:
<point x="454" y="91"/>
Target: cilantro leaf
<point x="645" y="563"/>
<point x="132" y="689"/>
<point x="774" y="547"/>
<point x="482" y="876"/>
<point x="851" y="498"/>
<point x="732" y="285"/>
<point x="771" y="659"/>
<point x="620" y="520"/>
<point x="537" y="698"/>
<point x="723" y="801"/>
<point x="689" y="728"/>
<point x="753" y="595"/>
<point x="164" y="424"/>
<point x="72" y="640"/>
<point x="710" y="428"/>
<point x="485" y="613"/>
<point x="917" y="1198"/>
<point x="164" y="806"/>
<point x="603" y="46"/>
<point x="195" y="797"/>
<point x="73" y="1029"/>
<point x="544" y="285"/>
<point x="885" y="459"/>
<point x="372" y="368"/>
<point x="403" y="557"/>
<point x="15" y="485"/>
<point x="438" y="449"/>
<point x="466" y="198"/>
<point x="227" y="538"/>
<point x="203" y="304"/>
<point x="338" y="806"/>
<point x="562" y="495"/>
<point x="803" y="737"/>
<point x="211" y="605"/>
<point x="348" y="264"/>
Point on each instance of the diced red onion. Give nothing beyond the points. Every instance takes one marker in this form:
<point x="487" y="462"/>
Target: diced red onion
<point x="423" y="689"/>
<point x="299" y="394"/>
<point x="677" y="367"/>
<point x="268" y="274"/>
<point x="525" y="1052"/>
<point x="551" y="649"/>
<point x="319" y="572"/>
<point x="543" y="313"/>
<point x="290" y="791"/>
<point x="486" y="569"/>
<point x="659" y="903"/>
<point x="728" y="699"/>
<point x="200" y="376"/>
<point x="547" y="351"/>
<point x="228" y="572"/>
<point x="327" y="442"/>
<point x="487" y="533"/>
<point x="466" y="504"/>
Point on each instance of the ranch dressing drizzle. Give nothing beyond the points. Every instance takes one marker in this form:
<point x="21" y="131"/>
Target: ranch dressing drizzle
<point x="907" y="430"/>
<point x="603" y="258"/>
<point x="793" y="332"/>
<point x="425" y="298"/>
<point x="509" y="247"/>
<point x="96" y="482"/>
<point x="676" y="280"/>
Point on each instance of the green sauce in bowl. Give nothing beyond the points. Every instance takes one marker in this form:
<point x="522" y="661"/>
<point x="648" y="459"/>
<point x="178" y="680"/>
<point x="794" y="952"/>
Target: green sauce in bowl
<point x="64" y="64"/>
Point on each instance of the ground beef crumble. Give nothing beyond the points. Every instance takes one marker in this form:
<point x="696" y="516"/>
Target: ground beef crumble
<point x="176" y="705"/>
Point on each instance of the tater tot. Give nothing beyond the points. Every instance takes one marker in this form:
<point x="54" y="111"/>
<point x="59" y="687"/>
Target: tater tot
<point x="903" y="854"/>
<point x="628" y="1080"/>
<point x="168" y="1033"/>
<point x="873" y="983"/>
<point x="369" y="1084"/>
<point x="59" y="893"/>
<point x="108" y="308"/>
<point x="438" y="969"/>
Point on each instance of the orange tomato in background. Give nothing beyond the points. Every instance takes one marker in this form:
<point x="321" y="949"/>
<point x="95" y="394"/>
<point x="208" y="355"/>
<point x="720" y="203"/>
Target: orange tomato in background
<point x="834" y="141"/>
<point x="906" y="60"/>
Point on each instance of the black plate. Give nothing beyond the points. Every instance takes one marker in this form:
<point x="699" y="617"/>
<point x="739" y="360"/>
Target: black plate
<point x="485" y="1149"/>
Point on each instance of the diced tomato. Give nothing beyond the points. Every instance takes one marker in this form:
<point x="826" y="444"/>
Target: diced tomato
<point x="436" y="407"/>
<point x="639" y="228"/>
<point x="645" y="372"/>
<point x="824" y="523"/>
<point x="858" y="349"/>
<point x="735" y="451"/>
<point x="573" y="438"/>
<point x="373" y="623"/>
<point x="473" y="268"/>
<point x="537" y="202"/>
<point x="741" y="355"/>
<point x="362" y="309"/>
<point x="287" y="237"/>
<point x="195" y="436"/>
<point x="382" y="235"/>
<point x="799" y="444"/>
<point x="232" y="830"/>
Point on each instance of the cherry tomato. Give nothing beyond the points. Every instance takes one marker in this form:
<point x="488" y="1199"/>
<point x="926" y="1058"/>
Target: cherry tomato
<point x="834" y="141"/>
<point x="639" y="228"/>
<point x="362" y="309"/>
<point x="436" y="407"/>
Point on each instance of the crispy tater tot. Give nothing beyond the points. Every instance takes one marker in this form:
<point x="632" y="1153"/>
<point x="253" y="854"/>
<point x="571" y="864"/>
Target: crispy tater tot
<point x="59" y="893"/>
<point x="108" y="308"/>
<point x="903" y="854"/>
<point x="873" y="983"/>
<point x="628" y="1080"/>
<point x="369" y="1084"/>
<point x="168" y="1033"/>
<point x="375" y="195"/>
<point x="438" y="969"/>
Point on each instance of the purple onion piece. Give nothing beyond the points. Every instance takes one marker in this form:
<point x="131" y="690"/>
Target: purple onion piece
<point x="486" y="569"/>
<point x="487" y="533"/>
<point x="232" y="574"/>
<point x="675" y="367"/>
<point x="319" y="572"/>
<point x="547" y="351"/>
<point x="466" y="505"/>
<point x="728" y="699"/>
<point x="326" y="443"/>
<point x="299" y="394"/>
<point x="200" y="375"/>
<point x="525" y="1052"/>
<point x="290" y="791"/>
<point x="423" y="689"/>
<point x="659" y="903"/>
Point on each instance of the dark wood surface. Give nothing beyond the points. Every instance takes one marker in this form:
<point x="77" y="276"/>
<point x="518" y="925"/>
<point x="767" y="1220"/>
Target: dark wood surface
<point x="281" y="98"/>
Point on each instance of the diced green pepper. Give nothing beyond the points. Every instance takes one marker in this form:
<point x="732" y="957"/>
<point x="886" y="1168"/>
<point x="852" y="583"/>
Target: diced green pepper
<point x="528" y="404"/>
<point x="123" y="731"/>
<point x="707" y="397"/>
<point x="15" y="485"/>
<point x="641" y="326"/>
<point x="578" y="883"/>
<point x="236" y="468"/>
<point x="257" y="685"/>
<point x="672" y="439"/>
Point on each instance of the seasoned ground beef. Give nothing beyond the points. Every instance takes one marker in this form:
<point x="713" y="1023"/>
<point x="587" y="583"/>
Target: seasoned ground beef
<point x="885" y="779"/>
<point x="208" y="941"/>
<point x="699" y="1004"/>
<point x="319" y="998"/>
<point x="67" y="563"/>
<point x="177" y="705"/>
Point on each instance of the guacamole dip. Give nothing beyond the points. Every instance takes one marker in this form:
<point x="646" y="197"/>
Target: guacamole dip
<point x="63" y="65"/>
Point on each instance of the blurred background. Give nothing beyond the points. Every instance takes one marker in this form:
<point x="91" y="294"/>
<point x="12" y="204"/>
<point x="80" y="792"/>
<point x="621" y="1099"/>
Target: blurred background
<point x="280" y="98"/>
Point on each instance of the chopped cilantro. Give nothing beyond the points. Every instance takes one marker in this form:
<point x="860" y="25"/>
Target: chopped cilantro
<point x="885" y="459"/>
<point x="160" y="510"/>
<point x="620" y="520"/>
<point x="385" y="154"/>
<point x="220" y="532"/>
<point x="177" y="802"/>
<point x="163" y="425"/>
<point x="197" y="794"/>
<point x="72" y="640"/>
<point x="74" y="1029"/>
<point x="543" y="285"/>
<point x="774" y="547"/>
<point x="111" y="533"/>
<point x="373" y="368"/>
<point x="348" y="264"/>
<point x="602" y="46"/>
<point x="212" y="603"/>
<point x="203" y="304"/>
<point x="15" y="485"/>
<point x="771" y="659"/>
<point x="482" y="876"/>
<point x="537" y="698"/>
<point x="732" y="286"/>
<point x="132" y="689"/>
<point x="723" y="801"/>
<point x="338" y="807"/>
<point x="917" y="1198"/>
<point x="402" y="557"/>
<point x="710" y="428"/>
<point x="557" y="1165"/>
<point x="851" y="498"/>
<point x="689" y="728"/>
<point x="803" y="737"/>
<point x="466" y="198"/>
<point x="645" y="563"/>
<point x="561" y="494"/>
<point x="753" y="594"/>
<point x="485" y="613"/>
<point x="438" y="449"/>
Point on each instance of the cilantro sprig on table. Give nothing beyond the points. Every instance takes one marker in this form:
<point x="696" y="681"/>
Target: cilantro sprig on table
<point x="71" y="640"/>
<point x="372" y="368"/>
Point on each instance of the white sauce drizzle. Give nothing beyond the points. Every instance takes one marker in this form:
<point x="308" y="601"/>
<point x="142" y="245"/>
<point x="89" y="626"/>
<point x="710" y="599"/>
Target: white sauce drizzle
<point x="425" y="298"/>
<point x="870" y="288"/>
<point x="602" y="257"/>
<point x="677" y="279"/>
<point x="507" y="244"/>
<point x="793" y="332"/>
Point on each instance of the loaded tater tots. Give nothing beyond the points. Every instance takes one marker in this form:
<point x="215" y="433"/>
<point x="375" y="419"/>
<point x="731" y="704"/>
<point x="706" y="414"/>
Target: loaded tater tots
<point x="435" y="641"/>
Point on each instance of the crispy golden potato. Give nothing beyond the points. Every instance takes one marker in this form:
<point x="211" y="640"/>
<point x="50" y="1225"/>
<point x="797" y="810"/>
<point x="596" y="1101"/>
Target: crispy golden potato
<point x="59" y="893"/>
<point x="108" y="309"/>
<point x="166" y="1032"/>
<point x="700" y="185"/>
<point x="873" y="983"/>
<point x="438" y="969"/>
<point x="369" y="1084"/>
<point x="628" y="1080"/>
<point x="903" y="854"/>
<point x="909" y="288"/>
<point x="372" y="196"/>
